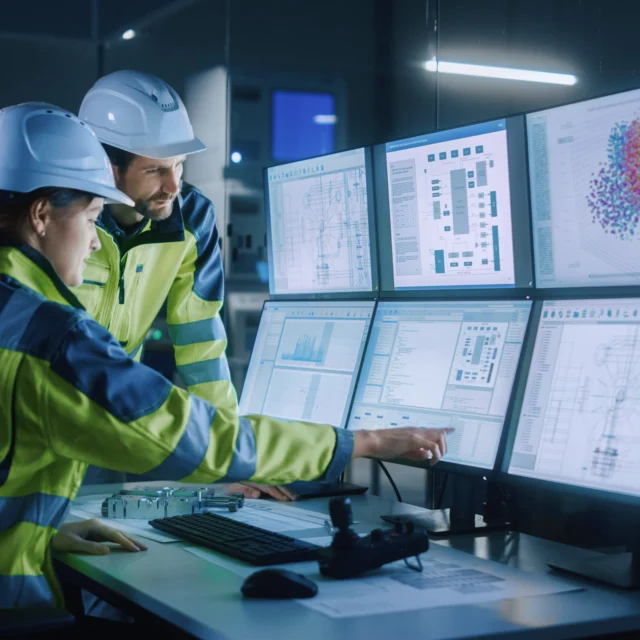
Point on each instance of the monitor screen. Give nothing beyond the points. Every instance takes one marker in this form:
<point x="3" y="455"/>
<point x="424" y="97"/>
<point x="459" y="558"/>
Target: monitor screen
<point x="303" y="124"/>
<point x="579" y="417"/>
<point x="455" y="209"/>
<point x="585" y="194"/>
<point x="443" y="364"/>
<point x="319" y="231"/>
<point x="305" y="360"/>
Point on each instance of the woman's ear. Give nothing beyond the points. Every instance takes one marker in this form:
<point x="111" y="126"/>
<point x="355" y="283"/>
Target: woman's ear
<point x="39" y="216"/>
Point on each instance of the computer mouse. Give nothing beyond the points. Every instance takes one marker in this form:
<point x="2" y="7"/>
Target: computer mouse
<point x="278" y="584"/>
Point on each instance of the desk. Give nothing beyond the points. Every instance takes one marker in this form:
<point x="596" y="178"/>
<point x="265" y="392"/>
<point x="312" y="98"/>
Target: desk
<point x="204" y="599"/>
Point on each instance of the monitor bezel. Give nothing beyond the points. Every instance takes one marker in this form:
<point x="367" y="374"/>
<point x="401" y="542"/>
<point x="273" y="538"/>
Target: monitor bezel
<point x="299" y="301"/>
<point x="373" y="237"/>
<point x="445" y="465"/>
<point x="520" y="212"/>
<point x="525" y="482"/>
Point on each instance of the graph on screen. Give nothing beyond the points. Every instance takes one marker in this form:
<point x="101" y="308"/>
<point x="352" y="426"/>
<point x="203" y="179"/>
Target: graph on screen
<point x="305" y="360"/>
<point x="319" y="225"/>
<point x="317" y="342"/>
<point x="450" y="206"/>
<point x="443" y="364"/>
<point x="584" y="164"/>
<point x="305" y="351"/>
<point x="581" y="409"/>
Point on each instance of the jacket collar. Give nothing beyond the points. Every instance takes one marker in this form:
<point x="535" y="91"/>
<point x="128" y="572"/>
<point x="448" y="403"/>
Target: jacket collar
<point x="23" y="264"/>
<point x="169" y="230"/>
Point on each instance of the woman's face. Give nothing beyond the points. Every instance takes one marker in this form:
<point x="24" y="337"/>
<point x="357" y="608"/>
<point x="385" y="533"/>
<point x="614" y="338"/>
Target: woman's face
<point x="68" y="237"/>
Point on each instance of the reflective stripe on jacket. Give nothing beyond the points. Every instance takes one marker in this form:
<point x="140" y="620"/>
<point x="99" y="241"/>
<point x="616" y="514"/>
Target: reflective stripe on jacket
<point x="70" y="396"/>
<point x="177" y="260"/>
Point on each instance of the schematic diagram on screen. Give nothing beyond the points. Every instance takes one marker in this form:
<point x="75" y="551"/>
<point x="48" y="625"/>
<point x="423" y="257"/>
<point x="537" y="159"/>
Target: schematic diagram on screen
<point x="596" y="388"/>
<point x="478" y="354"/>
<point x="464" y="222"/>
<point x="326" y="230"/>
<point x="450" y="207"/>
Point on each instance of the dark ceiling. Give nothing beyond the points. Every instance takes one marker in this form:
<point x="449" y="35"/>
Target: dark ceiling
<point x="82" y="19"/>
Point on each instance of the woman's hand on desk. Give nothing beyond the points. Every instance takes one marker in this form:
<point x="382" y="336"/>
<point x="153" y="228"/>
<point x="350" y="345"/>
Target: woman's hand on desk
<point x="252" y="490"/>
<point x="86" y="536"/>
<point x="408" y="442"/>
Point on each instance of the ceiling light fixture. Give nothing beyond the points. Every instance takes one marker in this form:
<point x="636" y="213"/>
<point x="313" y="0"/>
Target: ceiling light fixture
<point x="503" y="73"/>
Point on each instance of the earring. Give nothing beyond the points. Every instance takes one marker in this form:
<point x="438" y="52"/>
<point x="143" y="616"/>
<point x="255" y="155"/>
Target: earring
<point x="42" y="233"/>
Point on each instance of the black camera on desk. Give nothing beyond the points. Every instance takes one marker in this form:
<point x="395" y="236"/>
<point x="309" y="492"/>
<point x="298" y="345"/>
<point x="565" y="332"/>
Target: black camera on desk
<point x="350" y="555"/>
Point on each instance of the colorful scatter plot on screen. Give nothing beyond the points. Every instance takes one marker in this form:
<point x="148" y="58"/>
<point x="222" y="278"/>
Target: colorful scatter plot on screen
<point x="614" y="197"/>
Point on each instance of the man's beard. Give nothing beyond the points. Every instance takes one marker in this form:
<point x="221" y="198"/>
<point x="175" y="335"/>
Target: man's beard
<point x="144" y="207"/>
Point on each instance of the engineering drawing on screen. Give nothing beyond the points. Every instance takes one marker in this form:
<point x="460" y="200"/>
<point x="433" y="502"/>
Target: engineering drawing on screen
<point x="584" y="161"/>
<point x="325" y="220"/>
<point x="597" y="388"/>
<point x="588" y="432"/>
<point x="320" y="228"/>
<point x="451" y="210"/>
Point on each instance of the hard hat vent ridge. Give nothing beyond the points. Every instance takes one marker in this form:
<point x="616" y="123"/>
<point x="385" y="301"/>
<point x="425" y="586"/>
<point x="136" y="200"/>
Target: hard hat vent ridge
<point x="168" y="105"/>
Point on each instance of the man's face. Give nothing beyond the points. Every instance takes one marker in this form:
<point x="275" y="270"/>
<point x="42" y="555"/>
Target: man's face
<point x="152" y="184"/>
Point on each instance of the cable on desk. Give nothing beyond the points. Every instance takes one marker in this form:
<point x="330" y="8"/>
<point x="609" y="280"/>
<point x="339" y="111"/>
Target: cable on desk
<point x="414" y="567"/>
<point x="390" y="479"/>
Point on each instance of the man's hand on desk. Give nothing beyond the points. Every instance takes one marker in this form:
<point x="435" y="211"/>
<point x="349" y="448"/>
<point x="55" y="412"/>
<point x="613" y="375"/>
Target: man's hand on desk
<point x="409" y="442"/>
<point x="252" y="490"/>
<point x="86" y="536"/>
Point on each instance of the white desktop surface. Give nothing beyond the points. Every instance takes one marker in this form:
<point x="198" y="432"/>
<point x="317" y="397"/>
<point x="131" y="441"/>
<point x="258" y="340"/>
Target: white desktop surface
<point x="204" y="599"/>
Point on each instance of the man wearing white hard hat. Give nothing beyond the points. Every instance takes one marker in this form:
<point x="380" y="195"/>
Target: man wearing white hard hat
<point x="165" y="247"/>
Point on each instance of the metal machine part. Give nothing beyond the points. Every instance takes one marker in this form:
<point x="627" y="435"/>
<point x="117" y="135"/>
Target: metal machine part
<point x="147" y="503"/>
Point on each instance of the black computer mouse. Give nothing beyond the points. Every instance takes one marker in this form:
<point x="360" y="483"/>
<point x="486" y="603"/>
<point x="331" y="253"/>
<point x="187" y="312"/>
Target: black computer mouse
<point x="278" y="584"/>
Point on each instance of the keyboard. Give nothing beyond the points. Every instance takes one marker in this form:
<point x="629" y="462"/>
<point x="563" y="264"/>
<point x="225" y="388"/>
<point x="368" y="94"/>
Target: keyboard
<point x="237" y="539"/>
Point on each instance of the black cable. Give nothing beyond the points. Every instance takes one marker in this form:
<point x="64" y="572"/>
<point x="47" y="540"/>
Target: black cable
<point x="443" y="488"/>
<point x="390" y="479"/>
<point x="414" y="567"/>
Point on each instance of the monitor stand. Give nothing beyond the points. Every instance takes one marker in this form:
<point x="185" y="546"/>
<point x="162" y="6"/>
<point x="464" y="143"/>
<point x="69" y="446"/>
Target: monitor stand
<point x="461" y="518"/>
<point x="620" y="569"/>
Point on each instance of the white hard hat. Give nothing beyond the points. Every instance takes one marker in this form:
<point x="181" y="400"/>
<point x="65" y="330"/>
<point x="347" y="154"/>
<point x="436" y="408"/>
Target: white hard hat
<point x="45" y="146"/>
<point x="139" y="113"/>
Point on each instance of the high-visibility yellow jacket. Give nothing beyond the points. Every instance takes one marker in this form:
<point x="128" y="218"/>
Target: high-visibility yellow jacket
<point x="70" y="396"/>
<point x="178" y="260"/>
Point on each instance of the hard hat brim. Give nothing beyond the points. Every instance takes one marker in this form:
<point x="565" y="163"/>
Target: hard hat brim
<point x="112" y="196"/>
<point x="31" y="180"/>
<point x="171" y="150"/>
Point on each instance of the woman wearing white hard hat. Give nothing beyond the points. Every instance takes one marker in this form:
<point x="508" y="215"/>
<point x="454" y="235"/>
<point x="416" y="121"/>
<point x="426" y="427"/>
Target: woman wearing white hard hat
<point x="70" y="396"/>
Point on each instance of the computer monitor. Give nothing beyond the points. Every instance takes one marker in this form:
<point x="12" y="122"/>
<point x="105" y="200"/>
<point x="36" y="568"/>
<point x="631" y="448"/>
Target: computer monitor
<point x="578" y="415"/>
<point x="305" y="360"/>
<point x="585" y="194"/>
<point x="443" y="364"/>
<point x="453" y="209"/>
<point x="320" y="229"/>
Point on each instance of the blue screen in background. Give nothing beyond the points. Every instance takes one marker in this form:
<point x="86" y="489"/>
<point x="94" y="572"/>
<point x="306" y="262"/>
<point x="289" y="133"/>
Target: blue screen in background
<point x="303" y="125"/>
